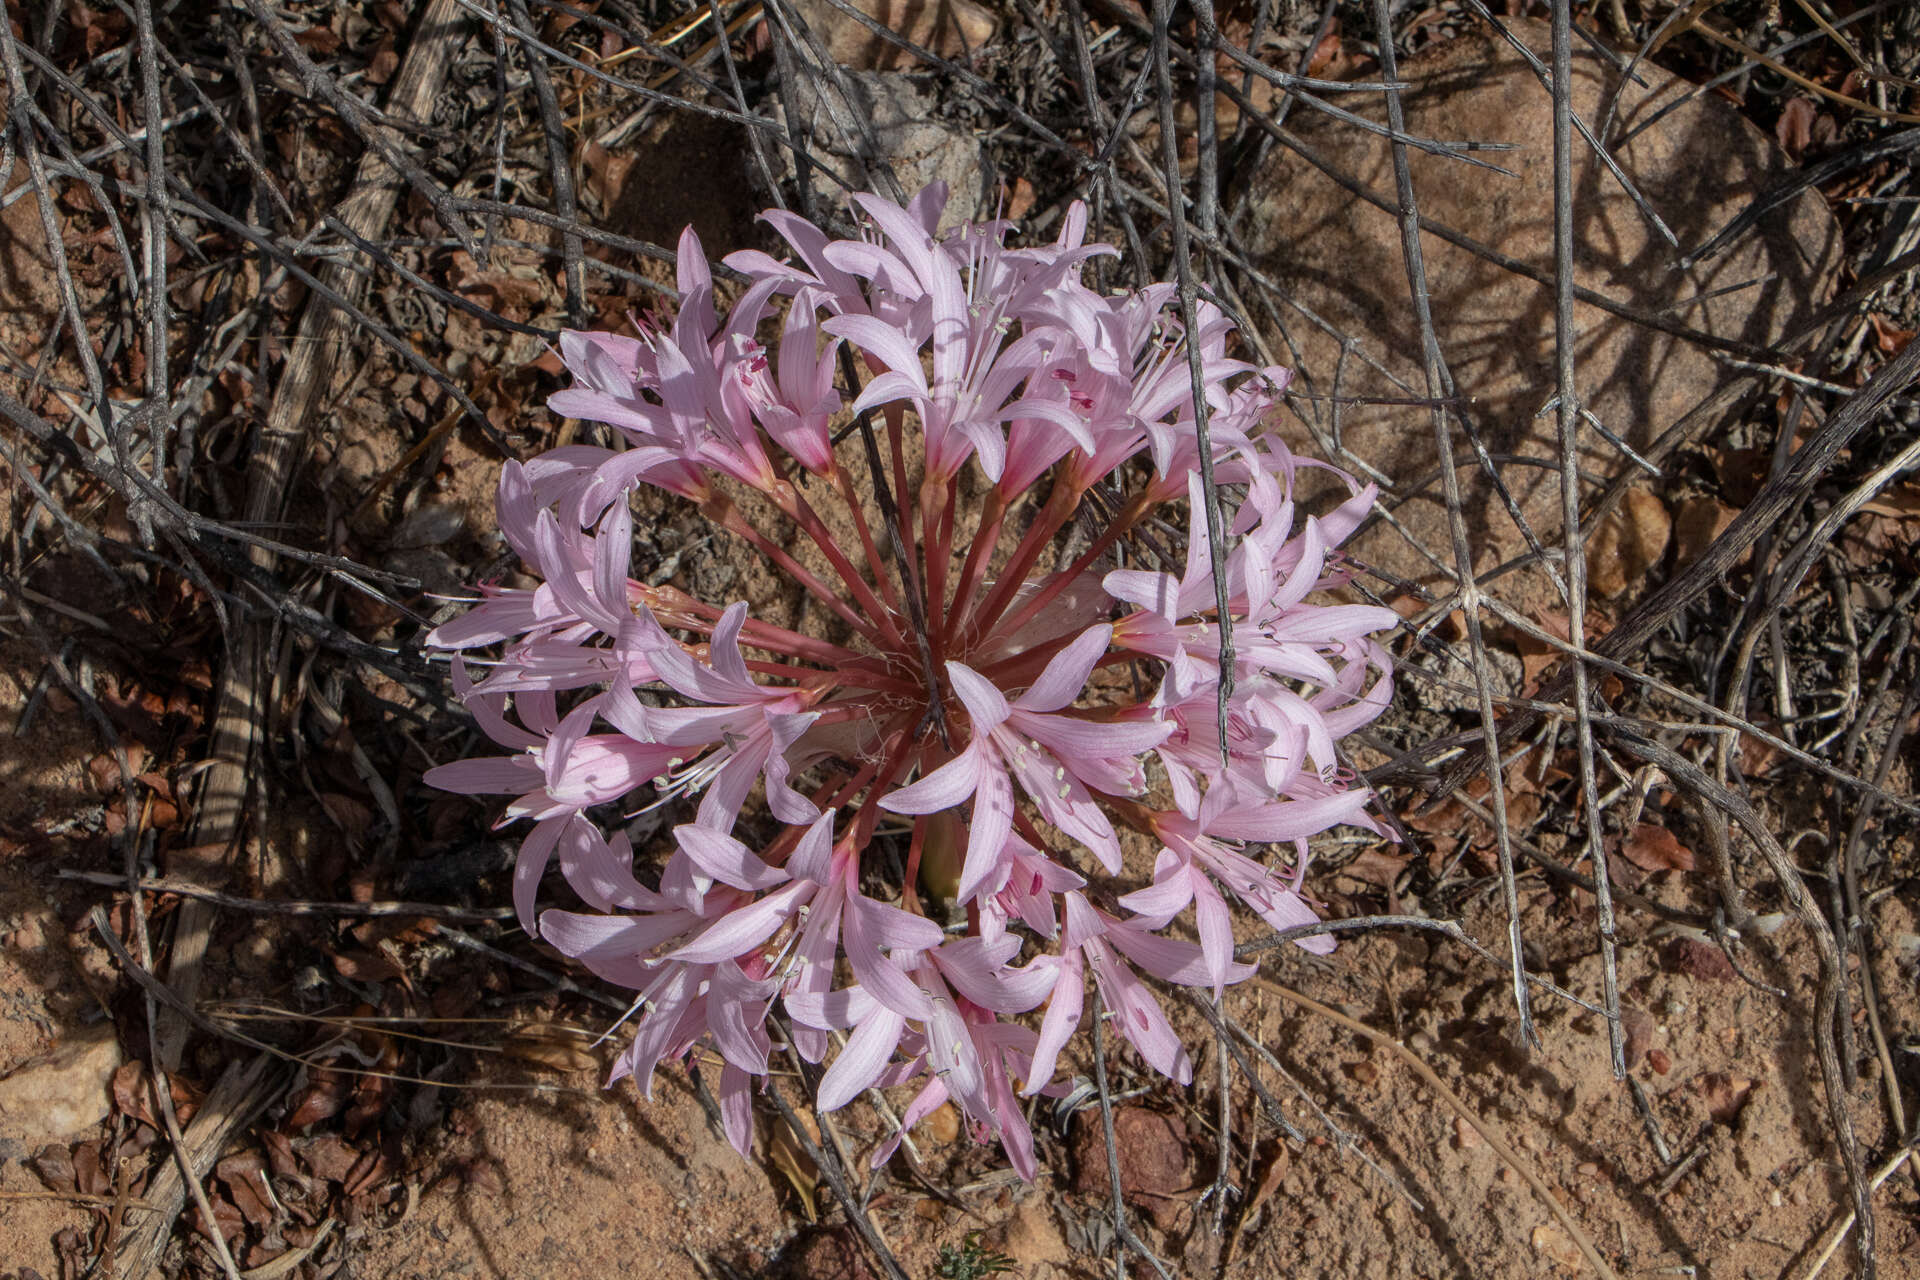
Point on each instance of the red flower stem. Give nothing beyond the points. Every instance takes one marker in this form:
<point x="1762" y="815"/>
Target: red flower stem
<point x="915" y="843"/>
<point x="675" y="608"/>
<point x="936" y="562"/>
<point x="723" y="513"/>
<point x="1060" y="579"/>
<point x="1057" y="511"/>
<point x="979" y="555"/>
<point x="868" y="816"/>
<point x="801" y="512"/>
<point x="895" y="416"/>
<point x="843" y="485"/>
<point x="821" y="683"/>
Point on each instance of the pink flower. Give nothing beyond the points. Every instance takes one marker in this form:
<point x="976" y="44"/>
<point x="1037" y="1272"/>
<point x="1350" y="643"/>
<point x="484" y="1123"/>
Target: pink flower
<point x="1052" y="755"/>
<point x="1026" y="679"/>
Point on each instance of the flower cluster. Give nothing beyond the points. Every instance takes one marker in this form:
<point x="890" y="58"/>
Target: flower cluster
<point x="996" y="681"/>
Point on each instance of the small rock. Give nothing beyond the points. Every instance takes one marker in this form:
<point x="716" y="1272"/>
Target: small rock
<point x="429" y="525"/>
<point x="943" y="1125"/>
<point x="1155" y="1160"/>
<point x="1702" y="960"/>
<point x="62" y="1092"/>
<point x="901" y="111"/>
<point x="1465" y="1136"/>
<point x="1551" y="1241"/>
<point x="949" y="28"/>
<point x="1660" y="1060"/>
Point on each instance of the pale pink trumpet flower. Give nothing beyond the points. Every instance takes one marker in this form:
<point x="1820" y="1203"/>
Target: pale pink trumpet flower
<point x="1020" y="699"/>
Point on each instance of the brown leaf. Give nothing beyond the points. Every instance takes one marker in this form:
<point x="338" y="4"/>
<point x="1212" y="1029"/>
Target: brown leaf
<point x="1889" y="339"/>
<point x="1696" y="523"/>
<point x="320" y="40"/>
<point x="280" y="1155"/>
<point x="329" y="1157"/>
<point x="89" y="1171"/>
<point x="1377" y="866"/>
<point x="1636" y="1030"/>
<point x="352" y="817"/>
<point x="794" y="1164"/>
<point x="1794" y="129"/>
<point x="132" y="1094"/>
<point x="604" y="173"/>
<point x="54" y="1167"/>
<point x="246" y="1180"/>
<point x="1901" y="503"/>
<point x="1628" y="543"/>
<point x="226" y="1219"/>
<point x="104" y="768"/>
<point x="383" y="63"/>
<point x="1698" y="959"/>
<point x="325" y="1095"/>
<point x="364" y="966"/>
<point x="556" y="1048"/>
<point x="367" y="1172"/>
<point x="1654" y="848"/>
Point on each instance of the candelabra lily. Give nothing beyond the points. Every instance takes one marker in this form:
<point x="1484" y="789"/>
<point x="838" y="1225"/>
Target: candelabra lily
<point x="1003" y="694"/>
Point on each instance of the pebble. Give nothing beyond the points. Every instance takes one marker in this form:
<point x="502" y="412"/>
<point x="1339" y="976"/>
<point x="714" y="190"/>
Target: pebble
<point x="63" y="1092"/>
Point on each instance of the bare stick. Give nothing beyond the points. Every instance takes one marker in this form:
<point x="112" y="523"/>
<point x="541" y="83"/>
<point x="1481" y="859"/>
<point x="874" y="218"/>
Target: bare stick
<point x="241" y="701"/>
<point x="1440" y="384"/>
<point x="1568" y="396"/>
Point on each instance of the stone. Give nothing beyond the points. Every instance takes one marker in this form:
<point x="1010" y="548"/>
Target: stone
<point x="1551" y="1241"/>
<point x="1156" y="1160"/>
<point x="902" y="113"/>
<point x="950" y="28"/>
<point x="64" y="1091"/>
<point x="1341" y="257"/>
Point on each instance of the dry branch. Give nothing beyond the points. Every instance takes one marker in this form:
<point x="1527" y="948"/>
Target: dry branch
<point x="246" y="678"/>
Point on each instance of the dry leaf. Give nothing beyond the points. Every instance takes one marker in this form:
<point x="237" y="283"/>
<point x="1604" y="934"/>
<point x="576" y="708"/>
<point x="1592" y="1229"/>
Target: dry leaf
<point x="1697" y="522"/>
<point x="1627" y="543"/>
<point x="795" y="1165"/>
<point x="1654" y="848"/>
<point x="550" y="1045"/>
<point x="1377" y="866"/>
<point x="1794" y="129"/>
<point x="1889" y="339"/>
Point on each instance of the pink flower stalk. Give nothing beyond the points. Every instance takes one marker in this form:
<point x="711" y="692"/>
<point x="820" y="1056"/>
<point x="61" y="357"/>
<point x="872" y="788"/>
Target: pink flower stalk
<point x="1019" y="700"/>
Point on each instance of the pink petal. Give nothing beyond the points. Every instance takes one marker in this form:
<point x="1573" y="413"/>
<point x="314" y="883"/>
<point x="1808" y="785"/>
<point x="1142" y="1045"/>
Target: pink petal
<point x="984" y="703"/>
<point x="945" y="787"/>
<point x="743" y="929"/>
<point x="736" y="1107"/>
<point x="1067" y="674"/>
<point x="486" y="776"/>
<point x="991" y="825"/>
<point x="726" y="859"/>
<point x="1289" y="819"/>
<point x="868" y="1051"/>
<point x="1062" y="1019"/>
